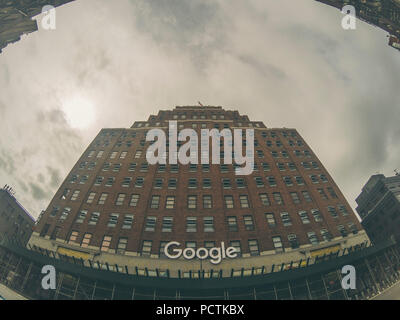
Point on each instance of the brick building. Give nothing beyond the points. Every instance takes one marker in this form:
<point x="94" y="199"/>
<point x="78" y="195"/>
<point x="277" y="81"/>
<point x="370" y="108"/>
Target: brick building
<point x="115" y="208"/>
<point x="15" y="221"/>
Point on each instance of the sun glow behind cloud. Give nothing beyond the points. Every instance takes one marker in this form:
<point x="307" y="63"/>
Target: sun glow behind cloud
<point x="79" y="111"/>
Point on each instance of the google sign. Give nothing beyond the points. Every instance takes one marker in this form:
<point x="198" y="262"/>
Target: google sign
<point x="215" y="254"/>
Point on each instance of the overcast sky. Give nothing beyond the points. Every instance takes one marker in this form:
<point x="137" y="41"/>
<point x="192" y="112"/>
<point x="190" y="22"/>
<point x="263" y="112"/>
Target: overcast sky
<point x="109" y="63"/>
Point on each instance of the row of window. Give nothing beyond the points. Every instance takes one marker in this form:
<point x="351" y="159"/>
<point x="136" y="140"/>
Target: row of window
<point x="191" y="221"/>
<point x="206" y="182"/>
<point x="192" y="202"/>
<point x="253" y="245"/>
<point x="224" y="168"/>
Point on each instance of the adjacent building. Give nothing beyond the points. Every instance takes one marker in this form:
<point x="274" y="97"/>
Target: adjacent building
<point x="379" y="207"/>
<point x="384" y="14"/>
<point x="15" y="222"/>
<point x="16" y="18"/>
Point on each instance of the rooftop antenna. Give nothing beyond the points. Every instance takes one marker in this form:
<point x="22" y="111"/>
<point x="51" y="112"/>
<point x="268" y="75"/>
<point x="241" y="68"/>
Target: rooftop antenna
<point x="396" y="172"/>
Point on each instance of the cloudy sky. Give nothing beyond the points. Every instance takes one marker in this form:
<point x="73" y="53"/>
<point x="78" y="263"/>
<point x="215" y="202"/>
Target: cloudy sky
<point x="109" y="63"/>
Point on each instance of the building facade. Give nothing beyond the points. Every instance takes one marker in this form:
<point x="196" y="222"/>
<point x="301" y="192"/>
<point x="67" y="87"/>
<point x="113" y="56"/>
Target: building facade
<point x="15" y="221"/>
<point x="379" y="207"/>
<point x="116" y="209"/>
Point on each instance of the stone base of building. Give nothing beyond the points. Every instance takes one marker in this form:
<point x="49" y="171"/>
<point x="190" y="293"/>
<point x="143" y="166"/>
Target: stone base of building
<point x="377" y="267"/>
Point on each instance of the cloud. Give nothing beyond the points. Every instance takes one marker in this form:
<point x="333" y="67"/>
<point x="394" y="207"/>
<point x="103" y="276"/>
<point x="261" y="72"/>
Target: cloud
<point x="287" y="63"/>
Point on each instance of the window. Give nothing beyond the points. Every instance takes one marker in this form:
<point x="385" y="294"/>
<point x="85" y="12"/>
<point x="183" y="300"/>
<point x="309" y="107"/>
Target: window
<point x="128" y="220"/>
<point x="98" y="181"/>
<point x="286" y="219"/>
<point x="117" y="167"/>
<point x="264" y="199"/>
<point x="120" y="199"/>
<point x="113" y="220"/>
<point x="65" y="213"/>
<point x="206" y="183"/>
<point x="352" y="227"/>
<point x="100" y="154"/>
<point x="139" y="182"/>
<point x="73" y="236"/>
<point x="144" y="167"/>
<point x="278" y="198"/>
<point x="150" y="225"/>
<point x="288" y="181"/>
<point x="307" y="196"/>
<point x="229" y="202"/>
<point x="299" y="180"/>
<point x="322" y="194"/>
<point x="316" y="214"/>
<point x="81" y="216"/>
<point x="314" y="178"/>
<point x="121" y="246"/>
<point x="172" y="183"/>
<point x="244" y="201"/>
<point x="277" y="241"/>
<point x="94" y="218"/>
<point x="103" y="198"/>
<point x="91" y="153"/>
<point x="146" y="247"/>
<point x="259" y="182"/>
<point x="312" y="237"/>
<point x="174" y="168"/>
<point x="342" y="230"/>
<point x="224" y="168"/>
<point x="209" y="224"/>
<point x="270" y="219"/>
<point x="106" y="166"/>
<point x="343" y="210"/>
<point x="326" y="235"/>
<point x="295" y="197"/>
<point x="110" y="181"/>
<point x="138" y="154"/>
<point x="281" y="166"/>
<point x="84" y="179"/>
<point x="86" y="240"/>
<point x="248" y="223"/>
<point x="315" y="165"/>
<point x="105" y="244"/>
<point x="161" y="168"/>
<point x="232" y="223"/>
<point x="75" y="195"/>
<point x="132" y="167"/>
<point x="292" y="166"/>
<point x="134" y="200"/>
<point x="192" y="202"/>
<point x="323" y="178"/>
<point x="253" y="248"/>
<point x="205" y="167"/>
<point x="167" y="223"/>
<point x="126" y="182"/>
<point x="207" y="202"/>
<point x="304" y="217"/>
<point x="226" y="183"/>
<point x="237" y="246"/>
<point x="191" y="224"/>
<point x="123" y="154"/>
<point x="65" y="194"/>
<point x="332" y="211"/>
<point x="294" y="243"/>
<point x="240" y="182"/>
<point x="155" y="202"/>
<point x="170" y="202"/>
<point x="332" y="192"/>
